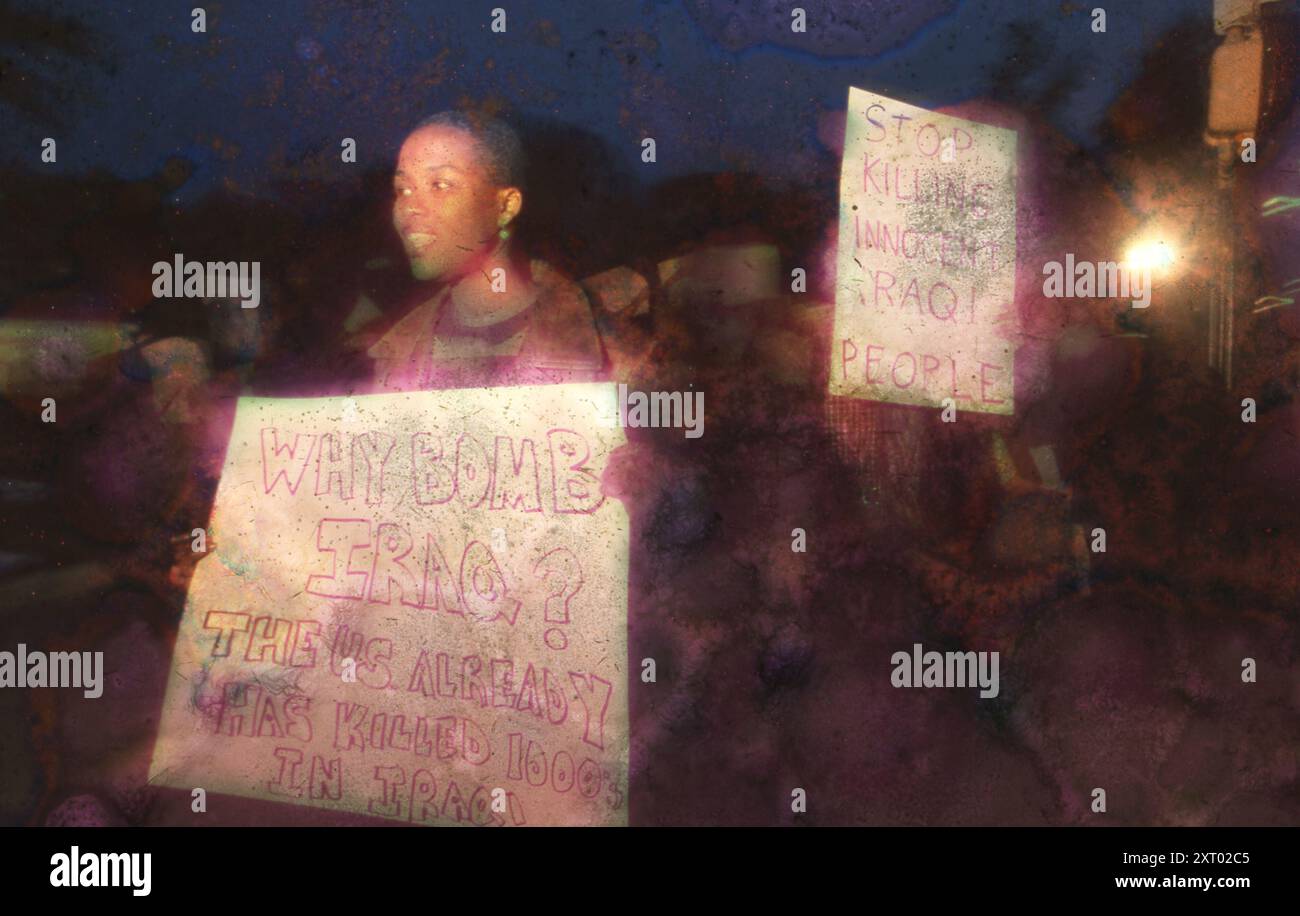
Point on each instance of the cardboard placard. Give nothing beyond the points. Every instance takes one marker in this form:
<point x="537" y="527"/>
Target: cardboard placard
<point x="416" y="609"/>
<point x="925" y="284"/>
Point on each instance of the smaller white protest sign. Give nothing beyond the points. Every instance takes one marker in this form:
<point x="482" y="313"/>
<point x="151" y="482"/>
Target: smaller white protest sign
<point x="925" y="281"/>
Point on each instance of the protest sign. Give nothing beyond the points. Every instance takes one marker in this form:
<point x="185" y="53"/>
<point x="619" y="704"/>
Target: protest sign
<point x="925" y="272"/>
<point x="416" y="609"/>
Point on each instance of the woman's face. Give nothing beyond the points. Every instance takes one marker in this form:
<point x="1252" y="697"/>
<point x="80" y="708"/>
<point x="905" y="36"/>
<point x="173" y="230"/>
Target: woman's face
<point x="446" y="210"/>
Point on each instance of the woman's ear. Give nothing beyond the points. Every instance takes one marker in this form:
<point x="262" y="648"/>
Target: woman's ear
<point x="509" y="202"/>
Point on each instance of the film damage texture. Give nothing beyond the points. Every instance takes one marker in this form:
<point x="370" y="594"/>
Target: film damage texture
<point x="707" y="412"/>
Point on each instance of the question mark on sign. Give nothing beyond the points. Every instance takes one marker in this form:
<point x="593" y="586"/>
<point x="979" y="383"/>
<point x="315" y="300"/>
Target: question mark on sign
<point x="562" y="569"/>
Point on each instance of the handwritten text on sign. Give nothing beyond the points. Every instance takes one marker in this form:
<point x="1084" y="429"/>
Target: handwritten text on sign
<point x="926" y="265"/>
<point x="417" y="610"/>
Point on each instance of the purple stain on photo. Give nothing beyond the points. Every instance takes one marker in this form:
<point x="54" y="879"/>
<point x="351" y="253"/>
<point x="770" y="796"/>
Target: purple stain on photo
<point x="831" y="28"/>
<point x="83" y="811"/>
<point x="786" y="661"/>
<point x="307" y="49"/>
<point x="772" y="665"/>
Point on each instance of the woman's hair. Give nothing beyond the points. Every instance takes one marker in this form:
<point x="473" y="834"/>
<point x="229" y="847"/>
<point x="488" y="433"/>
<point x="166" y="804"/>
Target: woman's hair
<point x="499" y="142"/>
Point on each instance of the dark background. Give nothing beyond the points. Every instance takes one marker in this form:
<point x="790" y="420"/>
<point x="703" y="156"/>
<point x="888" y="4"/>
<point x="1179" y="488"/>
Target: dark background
<point x="1118" y="670"/>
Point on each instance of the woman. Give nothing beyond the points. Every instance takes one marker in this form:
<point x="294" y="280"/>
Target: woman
<point x="492" y="316"/>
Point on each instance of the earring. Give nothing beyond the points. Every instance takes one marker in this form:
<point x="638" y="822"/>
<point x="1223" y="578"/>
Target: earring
<point x="504" y="233"/>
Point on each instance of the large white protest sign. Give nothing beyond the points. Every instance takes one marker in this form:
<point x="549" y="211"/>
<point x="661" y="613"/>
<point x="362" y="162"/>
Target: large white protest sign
<point x="417" y="610"/>
<point x="926" y="261"/>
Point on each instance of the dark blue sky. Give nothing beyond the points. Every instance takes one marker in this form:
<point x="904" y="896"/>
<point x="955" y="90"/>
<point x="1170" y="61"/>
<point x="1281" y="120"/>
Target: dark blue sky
<point x="716" y="84"/>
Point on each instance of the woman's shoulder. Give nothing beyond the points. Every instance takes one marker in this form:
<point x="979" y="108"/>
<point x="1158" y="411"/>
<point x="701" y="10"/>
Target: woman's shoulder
<point x="562" y="333"/>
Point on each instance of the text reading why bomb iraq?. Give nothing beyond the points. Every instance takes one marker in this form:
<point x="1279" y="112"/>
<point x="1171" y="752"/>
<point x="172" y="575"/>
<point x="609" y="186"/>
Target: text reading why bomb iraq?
<point x="418" y="612"/>
<point x="381" y="562"/>
<point x="414" y="564"/>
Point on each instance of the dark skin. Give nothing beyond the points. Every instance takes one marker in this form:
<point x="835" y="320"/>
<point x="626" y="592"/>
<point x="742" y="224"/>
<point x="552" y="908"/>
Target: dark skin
<point x="450" y="213"/>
